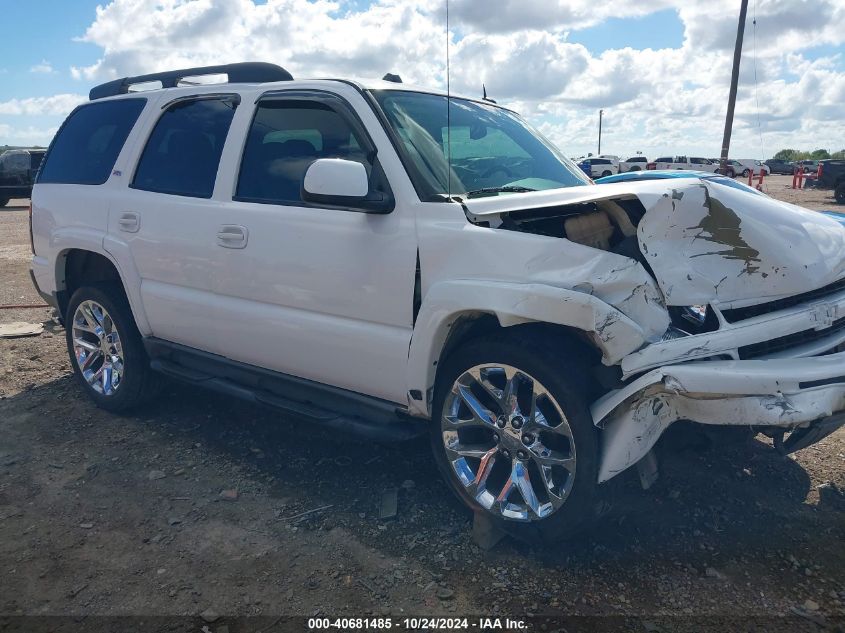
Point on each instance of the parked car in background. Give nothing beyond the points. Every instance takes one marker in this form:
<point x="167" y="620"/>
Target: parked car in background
<point x="17" y="173"/>
<point x="780" y="166"/>
<point x="832" y="176"/>
<point x="752" y="166"/>
<point x="598" y="167"/>
<point x="809" y="166"/>
<point x="664" y="174"/>
<point x="635" y="163"/>
<point x="685" y="162"/>
<point x="733" y="166"/>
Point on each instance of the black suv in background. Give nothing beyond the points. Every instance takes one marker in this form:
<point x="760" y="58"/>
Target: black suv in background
<point x="832" y="176"/>
<point x="18" y="168"/>
<point x="780" y="166"/>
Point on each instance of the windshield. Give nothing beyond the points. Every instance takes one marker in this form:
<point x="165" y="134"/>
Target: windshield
<point x="493" y="150"/>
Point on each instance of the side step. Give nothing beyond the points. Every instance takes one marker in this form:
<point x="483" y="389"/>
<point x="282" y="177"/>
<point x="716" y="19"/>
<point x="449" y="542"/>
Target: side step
<point x="379" y="424"/>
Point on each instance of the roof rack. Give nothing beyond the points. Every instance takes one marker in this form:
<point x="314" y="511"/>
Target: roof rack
<point x="244" y="72"/>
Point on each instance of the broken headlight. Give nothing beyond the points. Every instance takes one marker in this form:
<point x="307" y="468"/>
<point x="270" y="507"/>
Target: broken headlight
<point x="696" y="315"/>
<point x="695" y="319"/>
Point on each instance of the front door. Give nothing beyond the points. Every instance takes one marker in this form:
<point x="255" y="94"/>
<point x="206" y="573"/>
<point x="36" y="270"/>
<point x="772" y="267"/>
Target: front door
<point x="321" y="293"/>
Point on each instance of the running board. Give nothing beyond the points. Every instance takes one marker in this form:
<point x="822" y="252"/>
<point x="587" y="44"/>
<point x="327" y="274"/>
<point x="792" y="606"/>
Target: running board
<point x="345" y="412"/>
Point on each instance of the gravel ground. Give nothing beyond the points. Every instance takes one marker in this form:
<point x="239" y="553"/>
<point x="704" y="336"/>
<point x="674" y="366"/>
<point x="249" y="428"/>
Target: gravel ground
<point x="197" y="503"/>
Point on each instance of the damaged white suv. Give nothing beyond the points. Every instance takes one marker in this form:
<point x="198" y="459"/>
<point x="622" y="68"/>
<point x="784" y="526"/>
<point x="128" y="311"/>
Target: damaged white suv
<point x="337" y="251"/>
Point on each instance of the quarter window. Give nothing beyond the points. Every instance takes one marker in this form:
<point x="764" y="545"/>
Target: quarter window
<point x="285" y="138"/>
<point x="87" y="145"/>
<point x="183" y="152"/>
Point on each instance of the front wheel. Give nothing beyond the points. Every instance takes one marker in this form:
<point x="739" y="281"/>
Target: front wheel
<point x="746" y="173"/>
<point x="105" y="348"/>
<point x="513" y="437"/>
<point x="4" y="202"/>
<point x="606" y="173"/>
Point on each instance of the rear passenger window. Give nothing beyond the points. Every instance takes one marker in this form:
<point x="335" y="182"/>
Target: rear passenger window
<point x="87" y="145"/>
<point x="183" y="152"/>
<point x="285" y="138"/>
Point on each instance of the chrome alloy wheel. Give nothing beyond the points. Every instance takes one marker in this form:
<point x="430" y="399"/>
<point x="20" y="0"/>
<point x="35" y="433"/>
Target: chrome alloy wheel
<point x="508" y="442"/>
<point x="97" y="347"/>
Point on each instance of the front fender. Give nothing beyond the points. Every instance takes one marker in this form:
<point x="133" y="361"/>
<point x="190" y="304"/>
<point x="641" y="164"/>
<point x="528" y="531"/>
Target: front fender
<point x="614" y="334"/>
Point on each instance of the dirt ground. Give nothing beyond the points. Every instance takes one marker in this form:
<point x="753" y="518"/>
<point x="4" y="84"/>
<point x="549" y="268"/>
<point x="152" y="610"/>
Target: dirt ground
<point x="200" y="505"/>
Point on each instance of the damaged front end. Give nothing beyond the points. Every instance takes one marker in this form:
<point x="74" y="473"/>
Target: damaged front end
<point x="741" y="300"/>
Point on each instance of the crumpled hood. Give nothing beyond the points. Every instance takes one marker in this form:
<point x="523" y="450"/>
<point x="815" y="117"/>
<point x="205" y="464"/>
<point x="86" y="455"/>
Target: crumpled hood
<point x="708" y="242"/>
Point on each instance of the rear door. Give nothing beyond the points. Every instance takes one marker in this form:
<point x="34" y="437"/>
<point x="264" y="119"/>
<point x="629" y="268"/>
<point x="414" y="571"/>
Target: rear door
<point x="323" y="293"/>
<point x="169" y="223"/>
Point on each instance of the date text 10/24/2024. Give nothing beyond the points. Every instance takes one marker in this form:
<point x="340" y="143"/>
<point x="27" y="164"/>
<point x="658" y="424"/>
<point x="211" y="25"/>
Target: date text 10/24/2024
<point x="416" y="624"/>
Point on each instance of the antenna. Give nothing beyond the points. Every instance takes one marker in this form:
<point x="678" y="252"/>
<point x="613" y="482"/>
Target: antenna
<point x="448" y="113"/>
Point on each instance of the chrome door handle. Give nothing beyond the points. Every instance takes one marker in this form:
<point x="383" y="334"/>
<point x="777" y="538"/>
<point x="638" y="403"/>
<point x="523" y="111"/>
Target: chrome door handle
<point x="232" y="236"/>
<point x="129" y="222"/>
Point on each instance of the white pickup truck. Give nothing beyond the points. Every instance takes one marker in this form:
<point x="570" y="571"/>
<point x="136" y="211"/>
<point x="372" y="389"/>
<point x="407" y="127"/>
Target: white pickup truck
<point x="693" y="163"/>
<point x="309" y="246"/>
<point x="635" y="163"/>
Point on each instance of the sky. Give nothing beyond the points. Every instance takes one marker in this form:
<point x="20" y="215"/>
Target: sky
<point x="660" y="69"/>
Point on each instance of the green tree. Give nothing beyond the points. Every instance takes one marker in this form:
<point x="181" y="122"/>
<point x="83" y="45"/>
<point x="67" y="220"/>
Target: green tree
<point x="819" y="154"/>
<point x="787" y="154"/>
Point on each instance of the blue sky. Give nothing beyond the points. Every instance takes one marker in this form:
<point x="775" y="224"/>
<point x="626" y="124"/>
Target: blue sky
<point x="659" y="69"/>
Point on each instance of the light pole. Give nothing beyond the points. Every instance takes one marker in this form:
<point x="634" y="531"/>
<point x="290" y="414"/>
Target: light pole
<point x="729" y="119"/>
<point x="601" y="112"/>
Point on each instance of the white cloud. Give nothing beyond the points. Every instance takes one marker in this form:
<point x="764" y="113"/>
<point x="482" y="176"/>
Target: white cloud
<point x="28" y="135"/>
<point x="671" y="99"/>
<point x="44" y="68"/>
<point x="57" y="105"/>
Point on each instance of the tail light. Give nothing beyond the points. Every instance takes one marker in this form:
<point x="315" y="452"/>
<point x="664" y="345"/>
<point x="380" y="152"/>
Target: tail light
<point x="31" y="240"/>
<point x="821" y="166"/>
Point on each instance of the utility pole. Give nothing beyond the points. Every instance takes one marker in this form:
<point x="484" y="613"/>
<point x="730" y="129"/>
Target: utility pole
<point x="729" y="119"/>
<point x="601" y="112"/>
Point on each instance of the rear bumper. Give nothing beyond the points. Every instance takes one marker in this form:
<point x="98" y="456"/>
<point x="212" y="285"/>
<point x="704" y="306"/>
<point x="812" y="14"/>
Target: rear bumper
<point x="789" y="393"/>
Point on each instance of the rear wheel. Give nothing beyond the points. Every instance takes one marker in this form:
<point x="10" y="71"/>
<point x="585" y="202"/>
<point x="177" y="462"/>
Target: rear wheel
<point x="512" y="435"/>
<point x="606" y="172"/>
<point x="105" y="348"/>
<point x="746" y="173"/>
<point x="4" y="201"/>
<point x="839" y="193"/>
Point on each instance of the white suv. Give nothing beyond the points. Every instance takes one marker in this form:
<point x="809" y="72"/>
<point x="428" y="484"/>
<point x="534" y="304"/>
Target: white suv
<point x="335" y="250"/>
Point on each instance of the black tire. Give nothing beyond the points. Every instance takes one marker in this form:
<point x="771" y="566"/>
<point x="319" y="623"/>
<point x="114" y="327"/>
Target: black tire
<point x="731" y="173"/>
<point x="839" y="193"/>
<point x="606" y="173"/>
<point x="745" y="173"/>
<point x="635" y="169"/>
<point x="139" y="383"/>
<point x="4" y="202"/>
<point x="557" y="368"/>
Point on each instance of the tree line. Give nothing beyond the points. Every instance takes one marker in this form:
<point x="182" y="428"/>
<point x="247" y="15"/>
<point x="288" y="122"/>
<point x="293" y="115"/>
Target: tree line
<point x="816" y="154"/>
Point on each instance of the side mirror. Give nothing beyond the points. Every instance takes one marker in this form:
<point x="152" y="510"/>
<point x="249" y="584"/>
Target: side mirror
<point x="337" y="182"/>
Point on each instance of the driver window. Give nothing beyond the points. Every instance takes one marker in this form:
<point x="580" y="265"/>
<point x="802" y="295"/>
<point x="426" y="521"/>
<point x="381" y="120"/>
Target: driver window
<point x="285" y="138"/>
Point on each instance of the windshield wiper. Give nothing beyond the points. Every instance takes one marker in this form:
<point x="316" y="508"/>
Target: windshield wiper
<point x="489" y="191"/>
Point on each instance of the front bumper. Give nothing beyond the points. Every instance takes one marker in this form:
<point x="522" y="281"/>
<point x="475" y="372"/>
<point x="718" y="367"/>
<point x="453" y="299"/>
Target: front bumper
<point x="789" y="393"/>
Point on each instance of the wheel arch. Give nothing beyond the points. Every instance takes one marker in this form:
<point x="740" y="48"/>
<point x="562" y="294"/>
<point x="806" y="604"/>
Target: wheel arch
<point x="454" y="312"/>
<point x="76" y="267"/>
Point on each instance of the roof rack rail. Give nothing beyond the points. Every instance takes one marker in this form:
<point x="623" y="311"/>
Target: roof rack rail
<point x="244" y="72"/>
